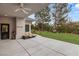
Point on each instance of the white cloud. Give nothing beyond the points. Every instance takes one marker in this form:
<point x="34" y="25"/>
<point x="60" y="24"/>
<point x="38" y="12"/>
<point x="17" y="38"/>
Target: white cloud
<point x="32" y="16"/>
<point x="77" y="6"/>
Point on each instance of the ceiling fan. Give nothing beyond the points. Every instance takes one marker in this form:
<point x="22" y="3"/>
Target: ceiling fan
<point x="23" y="9"/>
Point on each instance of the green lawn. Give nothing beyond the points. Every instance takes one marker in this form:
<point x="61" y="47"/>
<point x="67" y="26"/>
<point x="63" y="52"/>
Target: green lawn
<point x="73" y="38"/>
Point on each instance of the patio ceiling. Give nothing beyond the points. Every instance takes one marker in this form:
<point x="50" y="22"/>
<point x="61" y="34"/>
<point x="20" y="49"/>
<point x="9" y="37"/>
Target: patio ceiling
<point x="9" y="8"/>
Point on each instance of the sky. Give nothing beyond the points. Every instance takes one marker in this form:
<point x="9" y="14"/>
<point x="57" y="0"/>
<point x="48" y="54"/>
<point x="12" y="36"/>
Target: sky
<point x="74" y="14"/>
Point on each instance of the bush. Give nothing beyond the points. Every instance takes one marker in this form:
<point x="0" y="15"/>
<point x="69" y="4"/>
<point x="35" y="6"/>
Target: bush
<point x="67" y="28"/>
<point x="76" y="31"/>
<point x="63" y="28"/>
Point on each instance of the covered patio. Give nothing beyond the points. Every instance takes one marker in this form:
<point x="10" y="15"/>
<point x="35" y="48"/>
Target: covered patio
<point x="38" y="46"/>
<point x="14" y="18"/>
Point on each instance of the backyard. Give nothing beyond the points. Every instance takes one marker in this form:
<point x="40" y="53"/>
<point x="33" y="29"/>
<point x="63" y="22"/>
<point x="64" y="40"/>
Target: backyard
<point x="68" y="37"/>
<point x="60" y="26"/>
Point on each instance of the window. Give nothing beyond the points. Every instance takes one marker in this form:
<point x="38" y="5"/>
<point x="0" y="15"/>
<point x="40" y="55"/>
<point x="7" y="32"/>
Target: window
<point x="26" y="28"/>
<point x="5" y="28"/>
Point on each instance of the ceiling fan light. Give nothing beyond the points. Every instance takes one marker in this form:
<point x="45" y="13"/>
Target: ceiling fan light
<point x="21" y="8"/>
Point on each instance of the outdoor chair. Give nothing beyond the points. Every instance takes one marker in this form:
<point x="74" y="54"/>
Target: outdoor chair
<point x="28" y="35"/>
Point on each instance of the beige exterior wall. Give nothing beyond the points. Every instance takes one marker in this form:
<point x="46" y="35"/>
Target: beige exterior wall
<point x="16" y="24"/>
<point x="10" y="21"/>
<point x="20" y="27"/>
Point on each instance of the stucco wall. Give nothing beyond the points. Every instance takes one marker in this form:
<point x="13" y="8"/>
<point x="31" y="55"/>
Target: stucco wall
<point x="8" y="20"/>
<point x="16" y="24"/>
<point x="20" y="27"/>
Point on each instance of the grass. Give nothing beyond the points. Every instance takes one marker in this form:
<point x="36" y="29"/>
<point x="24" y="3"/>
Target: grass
<point x="68" y="37"/>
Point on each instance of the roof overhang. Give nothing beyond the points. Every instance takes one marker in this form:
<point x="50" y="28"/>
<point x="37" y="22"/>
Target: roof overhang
<point x="7" y="9"/>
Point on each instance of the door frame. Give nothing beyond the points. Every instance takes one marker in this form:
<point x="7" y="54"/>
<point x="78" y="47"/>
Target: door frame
<point x="8" y="29"/>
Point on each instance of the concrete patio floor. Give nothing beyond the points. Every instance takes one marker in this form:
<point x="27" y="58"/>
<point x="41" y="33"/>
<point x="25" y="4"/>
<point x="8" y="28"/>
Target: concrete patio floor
<point x="38" y="46"/>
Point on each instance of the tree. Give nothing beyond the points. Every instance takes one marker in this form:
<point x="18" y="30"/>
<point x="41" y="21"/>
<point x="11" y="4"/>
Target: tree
<point x="42" y="16"/>
<point x="60" y="14"/>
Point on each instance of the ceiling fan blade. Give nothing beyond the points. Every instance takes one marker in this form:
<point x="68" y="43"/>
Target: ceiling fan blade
<point x="25" y="12"/>
<point x="28" y="9"/>
<point x="17" y="10"/>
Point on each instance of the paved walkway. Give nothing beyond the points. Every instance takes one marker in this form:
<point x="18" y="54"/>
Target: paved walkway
<point x="38" y="46"/>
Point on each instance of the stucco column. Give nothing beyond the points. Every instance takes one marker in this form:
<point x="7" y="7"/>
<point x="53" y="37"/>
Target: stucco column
<point x="20" y="27"/>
